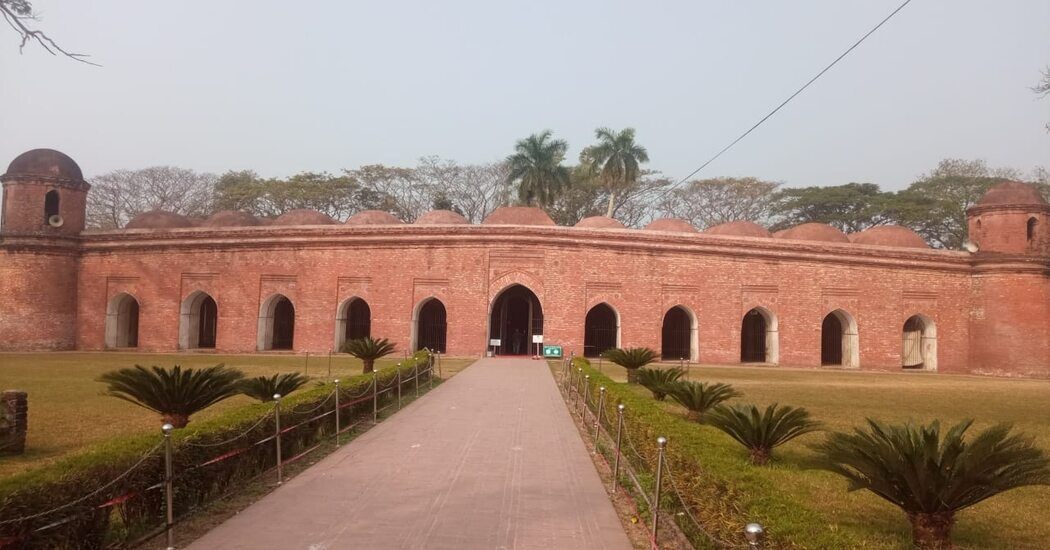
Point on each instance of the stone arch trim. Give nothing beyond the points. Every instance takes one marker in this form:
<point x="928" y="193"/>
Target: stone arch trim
<point x="189" y="317"/>
<point x="772" y="329"/>
<point x="264" y="334"/>
<point x="926" y="340"/>
<point x="342" y="313"/>
<point x="850" y="337"/>
<point x="119" y="325"/>
<point x="515" y="277"/>
<point x="418" y="307"/>
<point x="694" y="327"/>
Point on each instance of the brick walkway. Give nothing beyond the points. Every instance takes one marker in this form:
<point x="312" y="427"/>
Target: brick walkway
<point x="490" y="459"/>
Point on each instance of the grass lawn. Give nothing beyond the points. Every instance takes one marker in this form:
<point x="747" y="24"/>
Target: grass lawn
<point x="68" y="412"/>
<point x="841" y="400"/>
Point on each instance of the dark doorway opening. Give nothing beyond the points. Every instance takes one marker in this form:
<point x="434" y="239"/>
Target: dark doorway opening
<point x="358" y="320"/>
<point x="600" y="330"/>
<point x="753" y="337"/>
<point x="516" y="317"/>
<point x="431" y="326"/>
<point x="208" y="313"/>
<point x="831" y="340"/>
<point x="677" y="334"/>
<point x="283" y="324"/>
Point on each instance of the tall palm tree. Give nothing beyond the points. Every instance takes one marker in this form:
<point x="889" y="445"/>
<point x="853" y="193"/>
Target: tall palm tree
<point x="369" y="349"/>
<point x="931" y="476"/>
<point x="263" y="388"/>
<point x="617" y="158"/>
<point x="174" y="393"/>
<point x="631" y="359"/>
<point x="536" y="168"/>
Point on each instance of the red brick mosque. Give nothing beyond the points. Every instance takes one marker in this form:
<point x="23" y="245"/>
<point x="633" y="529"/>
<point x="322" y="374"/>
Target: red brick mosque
<point x="810" y="296"/>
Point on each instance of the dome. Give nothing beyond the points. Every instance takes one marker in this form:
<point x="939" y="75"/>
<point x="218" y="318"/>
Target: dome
<point x="1012" y="192"/>
<point x="671" y="224"/>
<point x="303" y="217"/>
<point x="158" y="219"/>
<point x="230" y="218"/>
<point x="518" y="215"/>
<point x="44" y="163"/>
<point x="889" y="235"/>
<point x="373" y="217"/>
<point x="738" y="228"/>
<point x="813" y="232"/>
<point x="441" y="217"/>
<point x="599" y="222"/>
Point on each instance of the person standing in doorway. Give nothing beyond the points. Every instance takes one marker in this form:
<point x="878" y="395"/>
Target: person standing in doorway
<point x="516" y="342"/>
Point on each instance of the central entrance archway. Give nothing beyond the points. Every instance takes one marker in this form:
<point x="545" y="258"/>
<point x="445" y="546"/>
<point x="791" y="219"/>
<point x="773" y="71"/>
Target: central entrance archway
<point x="515" y="318"/>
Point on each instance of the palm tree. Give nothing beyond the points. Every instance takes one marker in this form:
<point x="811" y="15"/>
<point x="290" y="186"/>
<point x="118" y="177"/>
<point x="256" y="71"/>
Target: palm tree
<point x="175" y="393"/>
<point x="263" y="388"/>
<point x="931" y="476"/>
<point x="631" y="359"/>
<point x="617" y="158"/>
<point x="761" y="432"/>
<point x="369" y="349"/>
<point x="699" y="397"/>
<point x="536" y="167"/>
<point x="659" y="381"/>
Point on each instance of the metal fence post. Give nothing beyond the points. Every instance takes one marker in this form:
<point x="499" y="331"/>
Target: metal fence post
<point x="399" y="386"/>
<point x="375" y="396"/>
<point x="586" y="395"/>
<point x="661" y="442"/>
<point x="277" y="434"/>
<point x="754" y="532"/>
<point x="329" y="363"/>
<point x="576" y="388"/>
<point x="430" y="373"/>
<point x="598" y="417"/>
<point x="336" y="412"/>
<point x="307" y="364"/>
<point x="169" y="489"/>
<point x="619" y="433"/>
<point x="416" y="377"/>
<point x="440" y="375"/>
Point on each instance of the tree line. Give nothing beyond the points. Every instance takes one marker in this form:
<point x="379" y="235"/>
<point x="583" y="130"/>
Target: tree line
<point x="609" y="178"/>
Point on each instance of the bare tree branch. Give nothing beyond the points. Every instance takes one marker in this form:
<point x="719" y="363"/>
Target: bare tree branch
<point x="16" y="13"/>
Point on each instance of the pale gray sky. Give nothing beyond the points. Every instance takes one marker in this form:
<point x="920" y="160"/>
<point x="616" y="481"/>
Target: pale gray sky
<point x="282" y="87"/>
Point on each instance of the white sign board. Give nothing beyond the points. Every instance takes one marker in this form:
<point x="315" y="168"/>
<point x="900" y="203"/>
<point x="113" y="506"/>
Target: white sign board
<point x="494" y="342"/>
<point x="537" y="338"/>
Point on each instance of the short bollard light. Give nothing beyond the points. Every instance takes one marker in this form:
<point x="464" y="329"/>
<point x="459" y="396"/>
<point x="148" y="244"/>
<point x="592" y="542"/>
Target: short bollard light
<point x="336" y="412"/>
<point x="169" y="490"/>
<point x="754" y="533"/>
<point x="277" y="435"/>
<point x="619" y="433"/>
<point x="661" y="442"/>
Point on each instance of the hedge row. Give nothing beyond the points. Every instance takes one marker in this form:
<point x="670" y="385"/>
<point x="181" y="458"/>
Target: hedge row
<point x="210" y="460"/>
<point x="718" y="486"/>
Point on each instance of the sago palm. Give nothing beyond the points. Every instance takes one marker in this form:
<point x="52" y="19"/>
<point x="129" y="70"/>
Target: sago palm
<point x="175" y="393"/>
<point x="931" y="476"/>
<point x="631" y="359"/>
<point x="617" y="159"/>
<point x="263" y="388"/>
<point x="536" y="168"/>
<point x="659" y="380"/>
<point x="700" y="397"/>
<point x="759" y="431"/>
<point x="369" y="349"/>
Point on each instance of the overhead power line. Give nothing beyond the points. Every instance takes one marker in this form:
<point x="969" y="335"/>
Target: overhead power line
<point x="792" y="96"/>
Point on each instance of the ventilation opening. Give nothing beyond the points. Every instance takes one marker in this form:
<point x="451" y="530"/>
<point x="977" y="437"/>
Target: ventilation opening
<point x="50" y="205"/>
<point x="1032" y="222"/>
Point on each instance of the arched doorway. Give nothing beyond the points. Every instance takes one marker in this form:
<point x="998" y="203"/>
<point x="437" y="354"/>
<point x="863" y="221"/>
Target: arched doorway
<point x="122" y="322"/>
<point x="198" y="321"/>
<point x="678" y="336"/>
<point x="919" y="343"/>
<point x="276" y="324"/>
<point x="353" y="321"/>
<point x="601" y="330"/>
<point x="515" y="318"/>
<point x="431" y="326"/>
<point x="839" y="344"/>
<point x="758" y="337"/>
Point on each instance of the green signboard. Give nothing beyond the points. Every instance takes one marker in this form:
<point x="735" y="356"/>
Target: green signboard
<point x="552" y="351"/>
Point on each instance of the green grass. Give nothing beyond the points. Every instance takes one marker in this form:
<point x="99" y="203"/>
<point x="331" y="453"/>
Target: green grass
<point x="67" y="411"/>
<point x="841" y="400"/>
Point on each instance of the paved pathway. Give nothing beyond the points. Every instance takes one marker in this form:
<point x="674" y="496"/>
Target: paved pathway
<point x="490" y="459"/>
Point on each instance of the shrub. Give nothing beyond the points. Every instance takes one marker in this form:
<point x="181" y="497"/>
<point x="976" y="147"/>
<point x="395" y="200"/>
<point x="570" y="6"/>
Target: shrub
<point x="761" y="432"/>
<point x="369" y="349"/>
<point x="263" y="388"/>
<point x="700" y="397"/>
<point x="631" y="359"/>
<point x="931" y="476"/>
<point x="174" y="393"/>
<point x="659" y="381"/>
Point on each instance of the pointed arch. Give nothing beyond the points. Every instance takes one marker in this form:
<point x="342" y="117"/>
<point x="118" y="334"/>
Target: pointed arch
<point x="276" y="324"/>
<point x="759" y="337"/>
<point x="51" y="205"/>
<point x="353" y="320"/>
<point x="515" y="316"/>
<point x="679" y="338"/>
<point x="430" y="325"/>
<point x="601" y="330"/>
<point x="198" y="321"/>
<point x="122" y="322"/>
<point x="839" y="340"/>
<point x="919" y="343"/>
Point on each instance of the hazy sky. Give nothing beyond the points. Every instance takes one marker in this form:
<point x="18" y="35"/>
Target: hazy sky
<point x="282" y="87"/>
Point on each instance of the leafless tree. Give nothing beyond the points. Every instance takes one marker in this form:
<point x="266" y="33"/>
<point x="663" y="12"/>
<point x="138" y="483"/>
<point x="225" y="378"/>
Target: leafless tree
<point x="118" y="196"/>
<point x="713" y="201"/>
<point x="19" y="16"/>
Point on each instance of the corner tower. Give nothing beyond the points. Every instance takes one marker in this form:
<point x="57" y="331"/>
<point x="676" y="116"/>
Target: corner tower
<point x="1010" y="312"/>
<point x="44" y="206"/>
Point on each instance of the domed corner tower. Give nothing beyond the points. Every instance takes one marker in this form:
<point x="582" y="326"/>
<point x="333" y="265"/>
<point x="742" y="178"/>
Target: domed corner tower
<point x="1010" y="313"/>
<point x="44" y="205"/>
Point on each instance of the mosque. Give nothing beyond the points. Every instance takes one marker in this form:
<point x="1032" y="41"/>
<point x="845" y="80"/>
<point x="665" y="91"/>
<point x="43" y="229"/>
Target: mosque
<point x="810" y="296"/>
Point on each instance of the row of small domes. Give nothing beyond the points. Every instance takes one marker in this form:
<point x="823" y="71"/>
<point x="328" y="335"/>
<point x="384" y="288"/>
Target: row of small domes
<point x="886" y="235"/>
